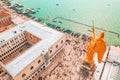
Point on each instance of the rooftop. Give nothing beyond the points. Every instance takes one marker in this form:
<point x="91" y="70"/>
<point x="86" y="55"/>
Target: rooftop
<point x="47" y="35"/>
<point x="115" y="54"/>
<point x="3" y="13"/>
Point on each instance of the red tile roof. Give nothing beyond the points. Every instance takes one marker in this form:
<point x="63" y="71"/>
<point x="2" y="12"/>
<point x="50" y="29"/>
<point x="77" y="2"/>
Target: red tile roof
<point x="8" y="23"/>
<point x="3" y="13"/>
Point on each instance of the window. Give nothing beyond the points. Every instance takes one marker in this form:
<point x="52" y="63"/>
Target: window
<point x="39" y="61"/>
<point x="50" y="51"/>
<point x="43" y="67"/>
<point x="56" y="46"/>
<point x="31" y="67"/>
<point x="62" y="41"/>
<point x="32" y="76"/>
<point x="23" y="75"/>
<point x="40" y="78"/>
<point x="35" y="74"/>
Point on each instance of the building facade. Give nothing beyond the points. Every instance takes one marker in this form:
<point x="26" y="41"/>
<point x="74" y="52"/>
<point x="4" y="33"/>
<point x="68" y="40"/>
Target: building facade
<point x="28" y="49"/>
<point x="5" y="19"/>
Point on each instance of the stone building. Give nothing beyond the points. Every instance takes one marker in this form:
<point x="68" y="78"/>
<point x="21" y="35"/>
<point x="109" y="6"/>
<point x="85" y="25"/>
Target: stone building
<point x="27" y="49"/>
<point x="5" y="19"/>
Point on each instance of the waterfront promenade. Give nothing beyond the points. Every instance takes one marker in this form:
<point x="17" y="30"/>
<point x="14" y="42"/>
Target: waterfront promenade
<point x="65" y="65"/>
<point x="86" y="25"/>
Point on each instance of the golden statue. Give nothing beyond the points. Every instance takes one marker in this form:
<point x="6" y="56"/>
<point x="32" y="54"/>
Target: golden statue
<point x="96" y="45"/>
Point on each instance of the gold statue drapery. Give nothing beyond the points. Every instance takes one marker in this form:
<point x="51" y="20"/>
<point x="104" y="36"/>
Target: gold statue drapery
<point x="96" y="45"/>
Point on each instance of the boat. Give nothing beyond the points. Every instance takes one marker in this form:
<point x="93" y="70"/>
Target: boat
<point x="68" y="31"/>
<point x="8" y="4"/>
<point x="77" y="34"/>
<point x="28" y="15"/>
<point x="17" y="5"/>
<point x="38" y="8"/>
<point x="57" y="4"/>
<point x="54" y="21"/>
<point x="74" y="9"/>
<point x="29" y="11"/>
<point x="60" y="22"/>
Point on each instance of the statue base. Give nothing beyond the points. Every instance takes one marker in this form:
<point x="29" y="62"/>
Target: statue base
<point x="87" y="71"/>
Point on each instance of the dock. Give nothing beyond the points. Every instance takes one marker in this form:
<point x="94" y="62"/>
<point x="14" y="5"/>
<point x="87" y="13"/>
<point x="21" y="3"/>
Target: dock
<point x="115" y="33"/>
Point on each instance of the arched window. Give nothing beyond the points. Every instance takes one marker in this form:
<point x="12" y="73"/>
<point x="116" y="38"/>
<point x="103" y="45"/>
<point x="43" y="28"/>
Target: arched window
<point x="31" y="67"/>
<point x="23" y="75"/>
<point x="56" y="46"/>
<point x="50" y="51"/>
<point x="62" y="41"/>
<point x="39" y="61"/>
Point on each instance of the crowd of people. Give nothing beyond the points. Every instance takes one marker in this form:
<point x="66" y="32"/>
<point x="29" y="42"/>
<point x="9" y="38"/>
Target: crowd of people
<point x="74" y="52"/>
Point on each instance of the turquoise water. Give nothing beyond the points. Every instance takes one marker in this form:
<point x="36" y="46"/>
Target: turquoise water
<point x="105" y="13"/>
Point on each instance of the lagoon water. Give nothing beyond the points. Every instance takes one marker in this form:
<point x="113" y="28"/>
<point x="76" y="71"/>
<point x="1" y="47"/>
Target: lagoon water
<point x="104" y="13"/>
